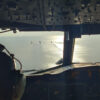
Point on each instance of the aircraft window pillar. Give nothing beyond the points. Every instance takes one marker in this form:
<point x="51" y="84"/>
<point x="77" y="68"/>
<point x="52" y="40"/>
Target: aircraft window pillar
<point x="69" y="42"/>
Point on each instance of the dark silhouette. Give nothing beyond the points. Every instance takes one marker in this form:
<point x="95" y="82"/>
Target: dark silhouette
<point x="12" y="82"/>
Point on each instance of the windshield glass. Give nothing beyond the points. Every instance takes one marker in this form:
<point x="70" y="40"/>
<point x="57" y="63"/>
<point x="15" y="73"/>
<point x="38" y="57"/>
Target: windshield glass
<point x="43" y="50"/>
<point x="87" y="49"/>
<point x="35" y="50"/>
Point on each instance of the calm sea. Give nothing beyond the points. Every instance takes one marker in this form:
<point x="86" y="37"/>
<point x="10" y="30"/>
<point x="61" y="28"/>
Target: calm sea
<point x="42" y="50"/>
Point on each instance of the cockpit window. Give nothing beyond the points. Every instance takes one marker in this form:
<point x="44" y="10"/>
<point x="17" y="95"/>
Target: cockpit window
<point x="87" y="49"/>
<point x="35" y="50"/>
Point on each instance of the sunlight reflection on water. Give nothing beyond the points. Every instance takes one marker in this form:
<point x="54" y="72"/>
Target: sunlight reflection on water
<point x="42" y="51"/>
<point x="35" y="51"/>
<point x="87" y="49"/>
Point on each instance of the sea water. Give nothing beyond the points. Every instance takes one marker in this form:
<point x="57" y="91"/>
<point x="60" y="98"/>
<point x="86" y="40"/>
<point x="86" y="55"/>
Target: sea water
<point x="35" y="50"/>
<point x="42" y="50"/>
<point x="87" y="49"/>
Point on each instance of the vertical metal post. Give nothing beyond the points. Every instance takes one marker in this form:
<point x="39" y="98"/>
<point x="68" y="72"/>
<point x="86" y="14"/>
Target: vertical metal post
<point x="69" y="42"/>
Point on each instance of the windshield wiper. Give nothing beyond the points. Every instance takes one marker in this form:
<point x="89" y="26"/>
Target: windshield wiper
<point x="5" y="31"/>
<point x="31" y="70"/>
<point x="13" y="29"/>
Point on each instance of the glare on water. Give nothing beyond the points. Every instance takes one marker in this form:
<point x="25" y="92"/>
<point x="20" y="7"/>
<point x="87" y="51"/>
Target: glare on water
<point x="87" y="49"/>
<point x="42" y="50"/>
<point x="35" y="50"/>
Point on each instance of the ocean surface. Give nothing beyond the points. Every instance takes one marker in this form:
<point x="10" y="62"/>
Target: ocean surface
<point x="42" y="50"/>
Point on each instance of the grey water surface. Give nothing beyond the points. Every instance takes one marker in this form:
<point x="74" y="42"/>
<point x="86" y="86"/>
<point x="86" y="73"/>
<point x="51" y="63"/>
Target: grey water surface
<point x="43" y="50"/>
